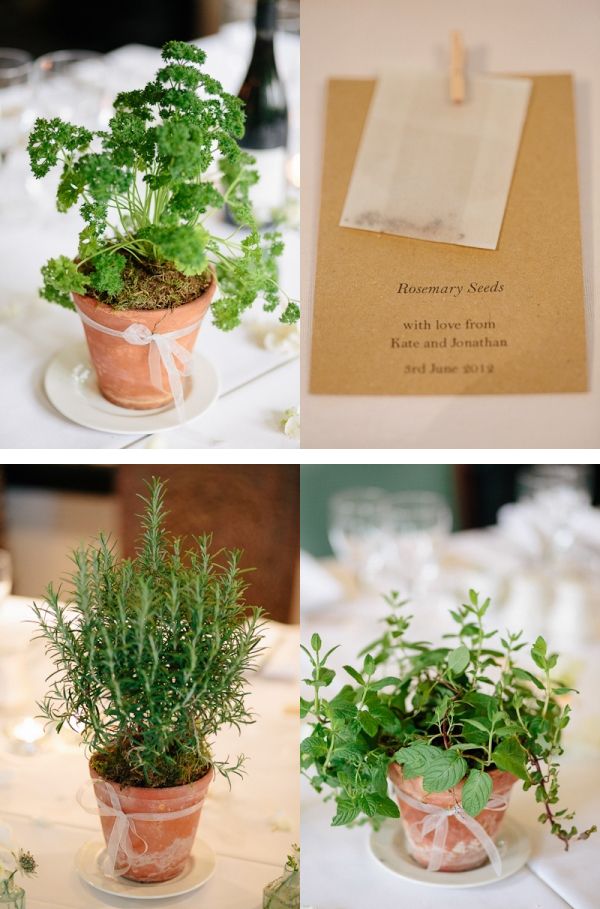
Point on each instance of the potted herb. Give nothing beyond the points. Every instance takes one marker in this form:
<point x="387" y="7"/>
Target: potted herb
<point x="451" y="728"/>
<point x="151" y="656"/>
<point x="12" y="896"/>
<point x="147" y="266"/>
<point x="284" y="892"/>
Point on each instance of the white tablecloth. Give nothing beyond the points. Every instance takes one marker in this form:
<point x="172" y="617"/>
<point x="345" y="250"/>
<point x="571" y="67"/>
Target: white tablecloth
<point x="251" y="827"/>
<point x="351" y="878"/>
<point x="33" y="331"/>
<point x="356" y="39"/>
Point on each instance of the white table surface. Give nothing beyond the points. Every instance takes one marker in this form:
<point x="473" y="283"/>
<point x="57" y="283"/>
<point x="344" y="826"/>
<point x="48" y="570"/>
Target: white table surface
<point x="352" y="38"/>
<point x="32" y="331"/>
<point x="251" y="827"/>
<point x="351" y="878"/>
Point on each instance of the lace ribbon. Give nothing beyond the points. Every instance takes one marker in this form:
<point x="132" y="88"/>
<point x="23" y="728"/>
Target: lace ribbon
<point x="436" y="820"/>
<point x="120" y="839"/>
<point x="163" y="349"/>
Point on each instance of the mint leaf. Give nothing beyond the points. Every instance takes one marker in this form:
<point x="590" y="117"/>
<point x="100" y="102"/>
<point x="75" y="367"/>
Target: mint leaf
<point x="458" y="659"/>
<point x="526" y="676"/>
<point x="347" y="811"/>
<point x="538" y="652"/>
<point x="384" y="806"/>
<point x="415" y="758"/>
<point x="367" y="722"/>
<point x="476" y="792"/>
<point x="315" y="642"/>
<point x="446" y="770"/>
<point x="355" y="675"/>
<point x="512" y="757"/>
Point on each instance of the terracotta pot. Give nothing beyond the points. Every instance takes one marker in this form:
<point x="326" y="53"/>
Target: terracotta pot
<point x="123" y="369"/>
<point x="160" y="848"/>
<point x="462" y="850"/>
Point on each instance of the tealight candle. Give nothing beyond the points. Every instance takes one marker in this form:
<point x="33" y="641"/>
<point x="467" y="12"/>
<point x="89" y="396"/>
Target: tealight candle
<point x="26" y="735"/>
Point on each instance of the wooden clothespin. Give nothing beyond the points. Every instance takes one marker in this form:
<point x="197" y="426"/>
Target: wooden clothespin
<point x="457" y="68"/>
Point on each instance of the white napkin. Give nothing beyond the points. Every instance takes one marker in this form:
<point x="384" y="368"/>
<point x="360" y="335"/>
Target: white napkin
<point x="571" y="874"/>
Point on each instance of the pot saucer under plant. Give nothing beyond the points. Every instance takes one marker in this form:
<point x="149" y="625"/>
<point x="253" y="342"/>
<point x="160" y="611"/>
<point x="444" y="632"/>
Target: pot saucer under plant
<point x="388" y="845"/>
<point x="199" y="868"/>
<point x="71" y="386"/>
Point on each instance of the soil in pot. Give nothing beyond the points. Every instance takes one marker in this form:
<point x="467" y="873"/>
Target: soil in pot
<point x="462" y="851"/>
<point x="122" y="368"/>
<point x="159" y="848"/>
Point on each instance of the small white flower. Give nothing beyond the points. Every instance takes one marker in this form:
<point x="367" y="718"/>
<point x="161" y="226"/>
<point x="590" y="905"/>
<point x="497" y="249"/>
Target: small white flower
<point x="283" y="339"/>
<point x="290" y="422"/>
<point x="280" y="821"/>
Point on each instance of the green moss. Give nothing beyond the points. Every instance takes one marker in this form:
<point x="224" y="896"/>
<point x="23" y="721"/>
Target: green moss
<point x="170" y="769"/>
<point x="155" y="285"/>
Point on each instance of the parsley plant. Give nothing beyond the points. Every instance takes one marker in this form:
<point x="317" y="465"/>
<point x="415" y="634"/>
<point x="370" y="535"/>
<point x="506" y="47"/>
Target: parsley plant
<point x="147" y="185"/>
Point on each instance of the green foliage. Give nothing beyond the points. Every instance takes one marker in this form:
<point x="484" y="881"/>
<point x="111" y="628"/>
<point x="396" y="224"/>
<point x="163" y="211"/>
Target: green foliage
<point x="145" y="188"/>
<point x="445" y="714"/>
<point x="151" y="654"/>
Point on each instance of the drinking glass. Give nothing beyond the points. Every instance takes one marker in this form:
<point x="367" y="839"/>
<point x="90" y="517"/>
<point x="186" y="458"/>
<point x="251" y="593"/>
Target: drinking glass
<point x="71" y="84"/>
<point x="543" y="478"/>
<point x="355" y="531"/>
<point x="16" y="67"/>
<point x="414" y="523"/>
<point x="556" y="492"/>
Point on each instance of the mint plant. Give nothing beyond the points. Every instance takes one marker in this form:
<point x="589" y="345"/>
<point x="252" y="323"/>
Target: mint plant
<point x="151" y="654"/>
<point x="146" y="187"/>
<point x="446" y="714"/>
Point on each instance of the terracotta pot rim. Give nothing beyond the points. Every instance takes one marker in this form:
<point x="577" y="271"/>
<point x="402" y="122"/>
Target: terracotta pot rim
<point x="104" y="307"/>
<point x="164" y="792"/>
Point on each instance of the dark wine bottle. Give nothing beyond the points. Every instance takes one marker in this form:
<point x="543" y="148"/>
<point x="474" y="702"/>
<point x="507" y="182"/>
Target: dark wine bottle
<point x="266" y="111"/>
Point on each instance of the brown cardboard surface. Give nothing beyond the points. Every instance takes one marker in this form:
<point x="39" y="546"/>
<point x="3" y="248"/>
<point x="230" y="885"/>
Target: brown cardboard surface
<point x="521" y="330"/>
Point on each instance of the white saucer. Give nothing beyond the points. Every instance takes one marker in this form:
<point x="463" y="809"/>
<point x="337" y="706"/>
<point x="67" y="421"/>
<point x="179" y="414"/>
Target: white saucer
<point x="71" y="385"/>
<point x="199" y="869"/>
<point x="388" y="845"/>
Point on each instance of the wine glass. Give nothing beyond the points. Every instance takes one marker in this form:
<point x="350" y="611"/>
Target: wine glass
<point x="414" y="522"/>
<point x="16" y="67"/>
<point x="355" y="531"/>
<point x="554" y="493"/>
<point x="71" y="84"/>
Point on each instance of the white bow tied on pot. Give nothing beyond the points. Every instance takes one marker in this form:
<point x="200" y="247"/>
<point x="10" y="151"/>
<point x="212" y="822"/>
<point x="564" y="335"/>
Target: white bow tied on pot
<point x="436" y="821"/>
<point x="163" y="351"/>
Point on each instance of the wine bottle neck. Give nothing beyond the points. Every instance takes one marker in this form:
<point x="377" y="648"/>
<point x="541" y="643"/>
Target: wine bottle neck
<point x="266" y="18"/>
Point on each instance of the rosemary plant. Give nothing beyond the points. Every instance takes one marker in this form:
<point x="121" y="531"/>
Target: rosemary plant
<point x="446" y="714"/>
<point x="146" y="187"/>
<point x="151" y="654"/>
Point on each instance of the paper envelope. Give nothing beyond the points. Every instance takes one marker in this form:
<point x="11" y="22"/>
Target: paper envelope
<point x="403" y="316"/>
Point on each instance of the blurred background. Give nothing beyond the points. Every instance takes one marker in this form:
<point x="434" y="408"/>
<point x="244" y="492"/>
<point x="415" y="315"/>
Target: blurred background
<point x="46" y="511"/>
<point x="527" y="536"/>
<point x="40" y="26"/>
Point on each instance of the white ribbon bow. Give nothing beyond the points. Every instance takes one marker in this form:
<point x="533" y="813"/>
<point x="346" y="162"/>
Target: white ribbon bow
<point x="163" y="349"/>
<point x="437" y="820"/>
<point x="119" y="840"/>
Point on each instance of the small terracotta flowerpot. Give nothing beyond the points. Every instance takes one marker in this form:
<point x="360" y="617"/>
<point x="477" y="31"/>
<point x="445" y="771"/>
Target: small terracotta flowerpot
<point x="123" y="369"/>
<point x="158" y="849"/>
<point x="462" y="850"/>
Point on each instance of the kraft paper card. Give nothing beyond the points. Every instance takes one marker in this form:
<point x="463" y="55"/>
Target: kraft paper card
<point x="396" y="315"/>
<point x="433" y="170"/>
